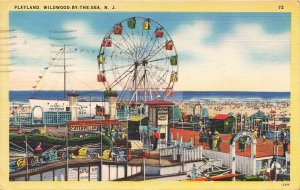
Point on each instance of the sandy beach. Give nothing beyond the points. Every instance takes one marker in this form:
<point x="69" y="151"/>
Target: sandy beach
<point x="279" y="108"/>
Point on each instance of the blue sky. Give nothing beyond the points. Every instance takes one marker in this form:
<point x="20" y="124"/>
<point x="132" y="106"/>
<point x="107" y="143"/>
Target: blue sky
<point x="217" y="51"/>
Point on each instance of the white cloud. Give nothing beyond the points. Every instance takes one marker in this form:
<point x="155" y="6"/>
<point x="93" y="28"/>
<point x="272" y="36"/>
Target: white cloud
<point x="35" y="53"/>
<point x="32" y="47"/>
<point x="228" y="64"/>
<point x="86" y="36"/>
<point x="231" y="64"/>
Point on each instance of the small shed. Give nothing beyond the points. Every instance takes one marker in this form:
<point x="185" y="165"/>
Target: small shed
<point x="223" y="123"/>
<point x="260" y="120"/>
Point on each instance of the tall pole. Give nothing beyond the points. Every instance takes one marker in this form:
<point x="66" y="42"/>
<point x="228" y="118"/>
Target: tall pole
<point x="173" y="116"/>
<point x="90" y="107"/>
<point x="245" y="121"/>
<point x="144" y="166"/>
<point x="61" y="39"/>
<point x="67" y="152"/>
<point x="19" y="115"/>
<point x="236" y="125"/>
<point x="101" y="149"/>
<point x="142" y="134"/>
<point x="56" y="107"/>
<point x="241" y="117"/>
<point x="26" y="157"/>
<point x="64" y="71"/>
<point x="144" y="77"/>
<point x="276" y="161"/>
<point x="127" y="146"/>
<point x="274" y="124"/>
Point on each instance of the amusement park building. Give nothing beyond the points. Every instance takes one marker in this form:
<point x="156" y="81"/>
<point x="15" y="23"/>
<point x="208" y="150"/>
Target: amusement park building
<point x="222" y="123"/>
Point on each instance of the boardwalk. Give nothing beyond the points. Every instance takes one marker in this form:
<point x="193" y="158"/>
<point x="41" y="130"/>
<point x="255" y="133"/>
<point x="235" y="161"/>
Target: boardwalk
<point x="262" y="150"/>
<point x="63" y="163"/>
<point x="54" y="165"/>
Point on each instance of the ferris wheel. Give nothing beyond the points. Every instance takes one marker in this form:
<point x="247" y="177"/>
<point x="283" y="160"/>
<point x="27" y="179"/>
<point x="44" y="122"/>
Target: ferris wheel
<point x="138" y="58"/>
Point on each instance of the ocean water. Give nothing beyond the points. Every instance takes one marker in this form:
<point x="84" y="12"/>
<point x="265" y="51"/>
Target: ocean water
<point x="23" y="96"/>
<point x="221" y="95"/>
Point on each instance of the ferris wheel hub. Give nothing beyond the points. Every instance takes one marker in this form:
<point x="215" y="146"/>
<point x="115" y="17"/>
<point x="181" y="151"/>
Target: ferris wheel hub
<point x="145" y="62"/>
<point x="136" y="64"/>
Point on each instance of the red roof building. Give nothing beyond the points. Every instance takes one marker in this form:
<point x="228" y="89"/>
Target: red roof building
<point x="222" y="123"/>
<point x="159" y="103"/>
<point x="221" y="117"/>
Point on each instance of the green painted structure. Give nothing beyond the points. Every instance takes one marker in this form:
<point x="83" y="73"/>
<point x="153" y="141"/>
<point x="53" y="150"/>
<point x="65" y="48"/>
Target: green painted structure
<point x="223" y="123"/>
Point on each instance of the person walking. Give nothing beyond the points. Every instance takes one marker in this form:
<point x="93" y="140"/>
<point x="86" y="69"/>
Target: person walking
<point x="254" y="133"/>
<point x="219" y="143"/>
<point x="215" y="140"/>
<point x="156" y="137"/>
<point x="242" y="144"/>
<point x="264" y="138"/>
<point x="204" y="141"/>
<point x="210" y="140"/>
<point x="200" y="136"/>
<point x="285" y="143"/>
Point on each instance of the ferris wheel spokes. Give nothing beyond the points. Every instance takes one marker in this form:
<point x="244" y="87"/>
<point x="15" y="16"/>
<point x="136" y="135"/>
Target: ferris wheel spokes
<point x="156" y="51"/>
<point x="128" y="46"/>
<point x="145" y="45"/>
<point x="160" y="59"/>
<point x="123" y="76"/>
<point x="123" y="50"/>
<point x="137" y="60"/>
<point x="160" y="80"/>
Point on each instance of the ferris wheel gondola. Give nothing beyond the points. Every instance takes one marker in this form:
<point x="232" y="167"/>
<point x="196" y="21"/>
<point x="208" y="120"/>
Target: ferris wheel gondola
<point x="138" y="58"/>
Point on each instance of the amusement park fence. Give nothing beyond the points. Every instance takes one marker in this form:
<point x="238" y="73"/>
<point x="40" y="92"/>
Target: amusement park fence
<point x="183" y="154"/>
<point x="243" y="164"/>
<point x="79" y="170"/>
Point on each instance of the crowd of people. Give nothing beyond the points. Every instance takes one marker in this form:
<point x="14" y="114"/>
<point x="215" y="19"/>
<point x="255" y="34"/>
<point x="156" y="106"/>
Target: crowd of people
<point x="236" y="106"/>
<point x="214" y="139"/>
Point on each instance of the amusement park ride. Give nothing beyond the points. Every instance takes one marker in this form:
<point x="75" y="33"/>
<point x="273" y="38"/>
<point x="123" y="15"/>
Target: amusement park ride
<point x="138" y="57"/>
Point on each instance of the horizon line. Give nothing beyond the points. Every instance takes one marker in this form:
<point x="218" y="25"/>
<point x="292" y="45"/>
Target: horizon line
<point x="128" y="90"/>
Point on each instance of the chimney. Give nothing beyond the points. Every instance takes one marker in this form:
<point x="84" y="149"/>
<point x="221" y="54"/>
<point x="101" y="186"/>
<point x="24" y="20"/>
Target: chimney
<point x="112" y="100"/>
<point x="73" y="103"/>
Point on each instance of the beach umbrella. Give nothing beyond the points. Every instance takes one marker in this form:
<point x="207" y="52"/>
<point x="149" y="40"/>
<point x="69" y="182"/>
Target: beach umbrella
<point x="38" y="149"/>
<point x="76" y="146"/>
